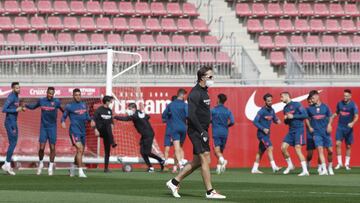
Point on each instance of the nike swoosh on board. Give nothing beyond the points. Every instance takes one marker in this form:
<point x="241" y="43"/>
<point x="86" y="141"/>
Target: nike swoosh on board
<point x="2" y="93"/>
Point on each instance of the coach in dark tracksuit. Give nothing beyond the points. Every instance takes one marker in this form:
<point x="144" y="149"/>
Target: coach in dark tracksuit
<point x="143" y="126"/>
<point x="104" y="122"/>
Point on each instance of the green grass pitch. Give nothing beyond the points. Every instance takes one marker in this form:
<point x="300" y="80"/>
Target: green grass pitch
<point x="239" y="186"/>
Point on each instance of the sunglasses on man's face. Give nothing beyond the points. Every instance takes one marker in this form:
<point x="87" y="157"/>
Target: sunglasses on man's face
<point x="209" y="77"/>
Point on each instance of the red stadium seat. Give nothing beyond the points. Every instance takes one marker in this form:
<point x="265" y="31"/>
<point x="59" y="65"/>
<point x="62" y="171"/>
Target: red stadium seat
<point x="71" y="23"/>
<point x="136" y="25"/>
<point x="254" y="25"/>
<point x="281" y="41"/>
<point x="153" y="25"/>
<point x="341" y="57"/>
<point x="22" y="23"/>
<point x="179" y="40"/>
<point x="332" y="26"/>
<point x="110" y="8"/>
<point x="81" y="39"/>
<point x="28" y="7"/>
<point x="2" y="39"/>
<point x="184" y="25"/>
<point x="114" y="39"/>
<point x="31" y="39"/>
<point x="290" y="9"/>
<point x="297" y="40"/>
<point x="157" y="9"/>
<point x="266" y="42"/>
<point x="77" y="7"/>
<point x="163" y="40"/>
<point x="103" y="24"/>
<point x="355" y="57"/>
<point x="45" y="7"/>
<point x="211" y="40"/>
<point x="131" y="39"/>
<point x="243" y="10"/>
<point x="336" y="10"/>
<point x="200" y="26"/>
<point x="168" y="25"/>
<point x="222" y="57"/>
<point x="321" y="10"/>
<point x="87" y="24"/>
<point x="325" y="57"/>
<point x="313" y="40"/>
<point x="61" y="7"/>
<point x="6" y="24"/>
<point x="126" y="8"/>
<point x="317" y="25"/>
<point x="301" y="25"/>
<point x="277" y="58"/>
<point x="206" y="57"/>
<point x="120" y="24"/>
<point x="54" y="23"/>
<point x="174" y="57"/>
<point x="14" y="39"/>
<point x="285" y="26"/>
<point x="97" y="39"/>
<point x="297" y="57"/>
<point x="38" y="23"/>
<point x="351" y="10"/>
<point x="329" y="40"/>
<point x="305" y="9"/>
<point x="274" y="9"/>
<point x="356" y="40"/>
<point x="173" y="9"/>
<point x="48" y="39"/>
<point x="344" y="40"/>
<point x="142" y="9"/>
<point x="157" y="57"/>
<point x="145" y="56"/>
<point x="189" y="10"/>
<point x="64" y="39"/>
<point x="93" y="8"/>
<point x="190" y="57"/>
<point x="270" y="26"/>
<point x="348" y="26"/>
<point x="258" y="10"/>
<point x="11" y="7"/>
<point x="195" y="41"/>
<point x="147" y="40"/>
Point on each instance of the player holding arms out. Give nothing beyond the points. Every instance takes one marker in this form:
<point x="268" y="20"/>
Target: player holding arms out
<point x="221" y="120"/>
<point x="265" y="116"/>
<point x="348" y="115"/>
<point x="48" y="127"/>
<point x="295" y="114"/>
<point x="78" y="113"/>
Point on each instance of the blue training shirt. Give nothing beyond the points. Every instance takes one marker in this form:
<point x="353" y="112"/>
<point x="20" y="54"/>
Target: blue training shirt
<point x="319" y="116"/>
<point x="175" y="115"/>
<point x="299" y="113"/>
<point x="79" y="114"/>
<point x="10" y="106"/>
<point x="49" y="111"/>
<point x="264" y="117"/>
<point x="346" y="112"/>
<point x="220" y="115"/>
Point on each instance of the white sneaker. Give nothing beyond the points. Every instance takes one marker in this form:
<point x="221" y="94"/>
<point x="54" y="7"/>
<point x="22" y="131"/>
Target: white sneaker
<point x="50" y="171"/>
<point x="218" y="169"/>
<point x="347" y="167"/>
<point x="319" y="169"/>
<point x="337" y="167"/>
<point x="288" y="169"/>
<point x="174" y="189"/>
<point x="39" y="169"/>
<point x="11" y="171"/>
<point x="277" y="169"/>
<point x="331" y="171"/>
<point x="223" y="166"/>
<point x="304" y="174"/>
<point x="215" y="195"/>
<point x="323" y="173"/>
<point x="257" y="171"/>
<point x="72" y="172"/>
<point x="82" y="175"/>
<point x="4" y="168"/>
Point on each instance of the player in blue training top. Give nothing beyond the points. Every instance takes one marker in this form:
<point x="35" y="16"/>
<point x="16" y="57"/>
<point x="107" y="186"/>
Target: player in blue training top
<point x="319" y="124"/>
<point x="11" y="107"/>
<point x="294" y="116"/>
<point x="177" y="112"/>
<point x="348" y="115"/>
<point x="221" y="120"/>
<point x="265" y="116"/>
<point x="79" y="116"/>
<point x="48" y="127"/>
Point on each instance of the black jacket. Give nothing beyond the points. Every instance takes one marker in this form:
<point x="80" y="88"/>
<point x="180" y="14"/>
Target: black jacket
<point x="141" y="123"/>
<point x="103" y="119"/>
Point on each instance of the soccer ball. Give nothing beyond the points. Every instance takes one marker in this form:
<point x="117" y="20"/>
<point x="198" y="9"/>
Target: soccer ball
<point x="127" y="168"/>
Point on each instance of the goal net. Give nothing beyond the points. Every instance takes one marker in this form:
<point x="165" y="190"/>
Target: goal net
<point x="95" y="73"/>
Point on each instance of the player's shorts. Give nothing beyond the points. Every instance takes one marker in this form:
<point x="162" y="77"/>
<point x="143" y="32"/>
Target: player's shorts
<point x="322" y="139"/>
<point x="199" y="144"/>
<point x="345" y="133"/>
<point x="220" y="142"/>
<point x="295" y="137"/>
<point x="167" y="140"/>
<point x="47" y="134"/>
<point x="264" y="142"/>
<point x="179" y="135"/>
<point x="310" y="144"/>
<point x="75" y="138"/>
<point x="146" y="145"/>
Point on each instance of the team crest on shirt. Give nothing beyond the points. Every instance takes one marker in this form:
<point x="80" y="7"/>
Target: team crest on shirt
<point x="317" y="110"/>
<point x="109" y="112"/>
<point x="207" y="102"/>
<point x="205" y="139"/>
<point x="52" y="103"/>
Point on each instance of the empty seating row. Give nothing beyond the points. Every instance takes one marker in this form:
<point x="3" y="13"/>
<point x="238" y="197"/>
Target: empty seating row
<point x="102" y="24"/>
<point x="62" y="7"/>
<point x="109" y="39"/>
<point x="295" y="10"/>
<point x="282" y="41"/>
<point x="302" y="25"/>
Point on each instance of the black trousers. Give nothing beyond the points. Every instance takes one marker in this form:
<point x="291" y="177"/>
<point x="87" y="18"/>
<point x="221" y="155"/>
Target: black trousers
<point x="145" y="150"/>
<point x="108" y="141"/>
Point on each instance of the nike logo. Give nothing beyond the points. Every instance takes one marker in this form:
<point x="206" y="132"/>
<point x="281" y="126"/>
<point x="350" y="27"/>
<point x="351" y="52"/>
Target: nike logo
<point x="251" y="108"/>
<point x="2" y="93"/>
